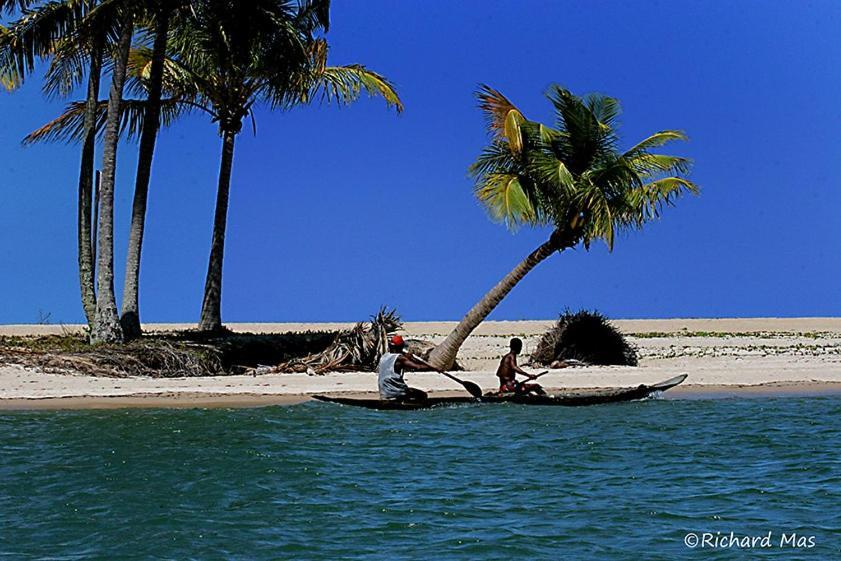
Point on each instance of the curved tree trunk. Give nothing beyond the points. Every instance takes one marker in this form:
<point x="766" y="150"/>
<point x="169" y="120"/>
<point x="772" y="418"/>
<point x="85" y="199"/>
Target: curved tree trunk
<point x="444" y="355"/>
<point x="130" y="318"/>
<point x="211" y="309"/>
<point x="86" y="172"/>
<point x="106" y="327"/>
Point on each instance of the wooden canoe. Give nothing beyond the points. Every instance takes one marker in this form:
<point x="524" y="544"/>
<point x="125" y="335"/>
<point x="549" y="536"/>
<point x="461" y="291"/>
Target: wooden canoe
<point x="594" y="397"/>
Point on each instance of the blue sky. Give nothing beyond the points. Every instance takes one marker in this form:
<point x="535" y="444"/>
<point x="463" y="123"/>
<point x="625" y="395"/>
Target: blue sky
<point x="337" y="211"/>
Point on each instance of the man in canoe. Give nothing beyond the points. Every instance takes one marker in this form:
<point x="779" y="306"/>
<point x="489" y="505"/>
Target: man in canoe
<point x="508" y="370"/>
<point x="393" y="365"/>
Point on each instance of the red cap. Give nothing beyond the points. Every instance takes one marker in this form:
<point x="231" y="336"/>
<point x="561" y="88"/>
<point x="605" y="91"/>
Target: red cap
<point x="396" y="341"/>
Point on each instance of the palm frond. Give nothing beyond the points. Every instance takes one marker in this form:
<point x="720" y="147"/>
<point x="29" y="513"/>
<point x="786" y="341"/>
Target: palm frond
<point x="314" y="15"/>
<point x="179" y="81"/>
<point x="34" y="36"/>
<point x="655" y="141"/>
<point x="647" y="164"/>
<point x="605" y="109"/>
<point x="504" y="119"/>
<point x="345" y="84"/>
<point x="646" y="201"/>
<point x="548" y="170"/>
<point x="10" y="78"/>
<point x="495" y="158"/>
<point x="66" y="69"/>
<point x="506" y="201"/>
<point x="69" y="127"/>
<point x="591" y="202"/>
<point x="10" y="6"/>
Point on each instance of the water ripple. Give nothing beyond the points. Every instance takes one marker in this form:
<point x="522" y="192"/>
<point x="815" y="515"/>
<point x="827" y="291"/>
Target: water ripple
<point x="317" y="481"/>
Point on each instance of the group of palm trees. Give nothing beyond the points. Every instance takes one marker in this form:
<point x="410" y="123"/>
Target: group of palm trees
<point x="222" y="57"/>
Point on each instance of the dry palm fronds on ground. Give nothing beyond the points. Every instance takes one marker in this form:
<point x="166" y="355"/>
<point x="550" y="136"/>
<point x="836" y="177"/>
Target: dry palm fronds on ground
<point x="161" y="355"/>
<point x="145" y="357"/>
<point x="583" y="336"/>
<point x="359" y="348"/>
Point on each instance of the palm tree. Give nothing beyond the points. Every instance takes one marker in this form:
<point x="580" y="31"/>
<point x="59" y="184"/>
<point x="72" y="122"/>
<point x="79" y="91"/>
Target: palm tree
<point x="572" y="178"/>
<point x="152" y="75"/>
<point x="66" y="33"/>
<point x="229" y="57"/>
<point x="83" y="121"/>
<point x="106" y="325"/>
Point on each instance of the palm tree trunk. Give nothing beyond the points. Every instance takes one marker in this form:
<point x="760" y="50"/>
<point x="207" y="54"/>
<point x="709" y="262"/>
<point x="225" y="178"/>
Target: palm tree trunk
<point x="85" y="249"/>
<point x="444" y="355"/>
<point x="97" y="181"/>
<point x="130" y="318"/>
<point x="211" y="309"/>
<point x="106" y="326"/>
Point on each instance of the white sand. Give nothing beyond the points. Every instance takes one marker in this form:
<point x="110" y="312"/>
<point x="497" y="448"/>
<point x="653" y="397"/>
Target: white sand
<point x="782" y="353"/>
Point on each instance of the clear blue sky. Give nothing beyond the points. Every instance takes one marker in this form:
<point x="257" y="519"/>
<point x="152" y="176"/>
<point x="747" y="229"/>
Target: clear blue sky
<point x="335" y="212"/>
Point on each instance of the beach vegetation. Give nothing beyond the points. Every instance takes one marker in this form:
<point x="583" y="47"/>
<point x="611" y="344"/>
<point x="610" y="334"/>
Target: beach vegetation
<point x="162" y="354"/>
<point x="358" y="349"/>
<point x="584" y="336"/>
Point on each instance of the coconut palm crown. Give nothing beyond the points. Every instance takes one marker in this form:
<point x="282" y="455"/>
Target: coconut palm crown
<point x="571" y="176"/>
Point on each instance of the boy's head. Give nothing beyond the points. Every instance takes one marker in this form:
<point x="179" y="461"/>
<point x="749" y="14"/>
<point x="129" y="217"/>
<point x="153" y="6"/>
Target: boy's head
<point x="516" y="345"/>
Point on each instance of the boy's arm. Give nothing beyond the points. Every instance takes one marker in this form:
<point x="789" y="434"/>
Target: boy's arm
<point x="512" y="362"/>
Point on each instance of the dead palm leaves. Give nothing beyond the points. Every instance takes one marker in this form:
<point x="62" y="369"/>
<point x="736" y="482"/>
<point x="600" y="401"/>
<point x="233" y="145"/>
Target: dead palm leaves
<point x="357" y="349"/>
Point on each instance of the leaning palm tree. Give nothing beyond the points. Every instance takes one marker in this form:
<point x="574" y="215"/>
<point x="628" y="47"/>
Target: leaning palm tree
<point x="572" y="178"/>
<point x="230" y="56"/>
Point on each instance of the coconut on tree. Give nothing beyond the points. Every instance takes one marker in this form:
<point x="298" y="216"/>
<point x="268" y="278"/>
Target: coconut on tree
<point x="571" y="177"/>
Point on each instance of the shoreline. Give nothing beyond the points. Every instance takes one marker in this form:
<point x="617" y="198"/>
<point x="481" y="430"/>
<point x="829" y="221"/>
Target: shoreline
<point x="198" y="400"/>
<point x="751" y="357"/>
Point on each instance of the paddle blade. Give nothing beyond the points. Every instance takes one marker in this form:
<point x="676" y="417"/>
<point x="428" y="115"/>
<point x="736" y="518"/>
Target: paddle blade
<point x="472" y="389"/>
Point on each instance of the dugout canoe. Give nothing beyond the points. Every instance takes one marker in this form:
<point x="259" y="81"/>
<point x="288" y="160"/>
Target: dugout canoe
<point x="576" y="399"/>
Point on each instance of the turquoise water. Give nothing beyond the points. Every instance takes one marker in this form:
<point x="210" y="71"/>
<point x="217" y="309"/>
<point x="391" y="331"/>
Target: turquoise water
<point x="319" y="481"/>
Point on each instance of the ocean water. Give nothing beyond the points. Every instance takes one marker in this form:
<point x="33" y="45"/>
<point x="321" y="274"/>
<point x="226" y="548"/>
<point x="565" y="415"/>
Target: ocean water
<point x="325" y="482"/>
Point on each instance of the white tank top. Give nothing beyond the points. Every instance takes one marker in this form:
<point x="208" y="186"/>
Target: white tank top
<point x="390" y="381"/>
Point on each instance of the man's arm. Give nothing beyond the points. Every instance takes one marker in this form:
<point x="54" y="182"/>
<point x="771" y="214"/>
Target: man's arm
<point x="411" y="362"/>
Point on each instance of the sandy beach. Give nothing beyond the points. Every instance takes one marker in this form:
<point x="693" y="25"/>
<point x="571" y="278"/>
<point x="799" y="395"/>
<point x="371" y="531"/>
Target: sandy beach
<point x="723" y="357"/>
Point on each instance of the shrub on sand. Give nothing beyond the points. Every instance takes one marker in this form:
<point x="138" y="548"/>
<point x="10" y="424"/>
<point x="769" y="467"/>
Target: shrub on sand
<point x="585" y="336"/>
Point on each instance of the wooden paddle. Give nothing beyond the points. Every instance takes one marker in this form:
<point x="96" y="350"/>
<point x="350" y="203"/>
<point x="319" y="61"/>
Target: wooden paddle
<point x="536" y="376"/>
<point x="472" y="388"/>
